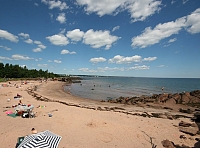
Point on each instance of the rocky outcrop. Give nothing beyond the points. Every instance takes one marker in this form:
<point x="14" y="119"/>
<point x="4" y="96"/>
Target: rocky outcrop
<point x="186" y="98"/>
<point x="169" y="144"/>
<point x="196" y="119"/>
<point x="191" y="129"/>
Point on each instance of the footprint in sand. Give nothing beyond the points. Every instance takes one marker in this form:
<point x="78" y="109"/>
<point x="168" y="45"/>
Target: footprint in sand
<point x="105" y="137"/>
<point x="91" y="124"/>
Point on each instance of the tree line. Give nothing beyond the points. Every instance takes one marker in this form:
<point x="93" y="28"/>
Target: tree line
<point x="16" y="71"/>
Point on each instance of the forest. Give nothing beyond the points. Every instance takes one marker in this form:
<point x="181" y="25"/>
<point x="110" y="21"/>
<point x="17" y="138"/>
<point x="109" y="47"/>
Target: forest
<point x="16" y="71"/>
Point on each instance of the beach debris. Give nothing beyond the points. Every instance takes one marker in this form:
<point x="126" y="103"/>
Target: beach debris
<point x="41" y="106"/>
<point x="50" y="115"/>
<point x="50" y="112"/>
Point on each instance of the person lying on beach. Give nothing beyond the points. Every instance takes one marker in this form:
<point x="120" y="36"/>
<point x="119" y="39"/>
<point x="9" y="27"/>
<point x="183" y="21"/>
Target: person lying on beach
<point x="20" y="102"/>
<point x="19" y="96"/>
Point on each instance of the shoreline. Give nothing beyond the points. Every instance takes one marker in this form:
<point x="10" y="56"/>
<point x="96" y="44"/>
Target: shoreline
<point x="57" y="91"/>
<point x="82" y="126"/>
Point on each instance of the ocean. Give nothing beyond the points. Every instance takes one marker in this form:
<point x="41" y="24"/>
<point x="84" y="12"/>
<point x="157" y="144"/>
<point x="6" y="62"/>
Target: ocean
<point x="104" y="88"/>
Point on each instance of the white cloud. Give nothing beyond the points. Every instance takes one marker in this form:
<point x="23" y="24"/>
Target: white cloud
<point x="193" y="22"/>
<point x="42" y="65"/>
<point x="152" y="36"/>
<point x="67" y="52"/>
<point x="124" y="60"/>
<point x="57" y="61"/>
<point x="167" y="45"/>
<point x="172" y="40"/>
<point x="150" y="59"/>
<point x="36" y="4"/>
<point x="28" y="41"/>
<point x="185" y="1"/>
<point x="5" y="58"/>
<point x="101" y="69"/>
<point x="55" y="4"/>
<point x="114" y="69"/>
<point x="37" y="50"/>
<point x="75" y="35"/>
<point x="87" y="70"/>
<point x="24" y="35"/>
<point x="61" y="18"/>
<point x="97" y="60"/>
<point x="5" y="47"/>
<point x="42" y="46"/>
<point x="40" y="59"/>
<point x="97" y="39"/>
<point x="173" y="1"/>
<point x="161" y="66"/>
<point x="115" y="28"/>
<point x="58" y="39"/>
<point x="20" y="57"/>
<point x="49" y="61"/>
<point x="37" y="42"/>
<point x="143" y="67"/>
<point x="104" y="69"/>
<point x="139" y="9"/>
<point x="23" y="66"/>
<point x="51" y="16"/>
<point x="101" y="7"/>
<point x="62" y="31"/>
<point x="8" y="36"/>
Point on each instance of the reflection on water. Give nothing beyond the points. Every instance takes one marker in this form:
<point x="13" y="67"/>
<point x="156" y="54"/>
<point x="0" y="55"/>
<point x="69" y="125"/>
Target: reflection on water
<point x="103" y="88"/>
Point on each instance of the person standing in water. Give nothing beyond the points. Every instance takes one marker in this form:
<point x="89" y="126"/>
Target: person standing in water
<point x="162" y="89"/>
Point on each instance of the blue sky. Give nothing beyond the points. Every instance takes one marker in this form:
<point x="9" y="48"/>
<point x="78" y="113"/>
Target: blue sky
<point x="139" y="38"/>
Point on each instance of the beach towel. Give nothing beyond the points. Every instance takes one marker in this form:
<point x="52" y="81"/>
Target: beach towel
<point x="8" y="112"/>
<point x="13" y="115"/>
<point x="20" y="139"/>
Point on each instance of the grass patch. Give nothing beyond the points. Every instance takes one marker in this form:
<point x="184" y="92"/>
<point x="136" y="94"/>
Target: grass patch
<point x="2" y="80"/>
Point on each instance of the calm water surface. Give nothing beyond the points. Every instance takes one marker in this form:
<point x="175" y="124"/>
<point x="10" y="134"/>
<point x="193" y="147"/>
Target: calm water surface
<point x="103" y="88"/>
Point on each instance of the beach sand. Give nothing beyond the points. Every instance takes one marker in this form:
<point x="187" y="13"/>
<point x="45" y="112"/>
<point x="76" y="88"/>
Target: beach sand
<point x="81" y="127"/>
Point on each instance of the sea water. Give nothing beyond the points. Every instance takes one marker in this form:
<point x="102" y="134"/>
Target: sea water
<point x="104" y="88"/>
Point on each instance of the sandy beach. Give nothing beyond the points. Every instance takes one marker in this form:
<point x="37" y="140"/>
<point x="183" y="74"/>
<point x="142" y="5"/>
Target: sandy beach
<point x="81" y="124"/>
